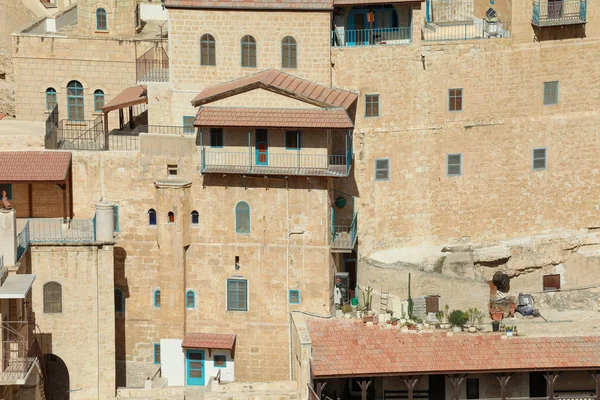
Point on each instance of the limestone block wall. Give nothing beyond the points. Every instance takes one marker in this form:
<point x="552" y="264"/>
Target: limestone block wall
<point x="47" y="200"/>
<point x="310" y="29"/>
<point x="82" y="335"/>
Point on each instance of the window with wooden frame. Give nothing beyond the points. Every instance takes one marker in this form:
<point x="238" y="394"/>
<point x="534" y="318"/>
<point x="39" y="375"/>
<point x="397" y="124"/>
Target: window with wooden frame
<point x="538" y="159"/>
<point x="455" y="99"/>
<point x="156" y="353"/>
<point x="432" y="304"/>
<point x="382" y="169"/>
<point x="237" y="295"/>
<point x="372" y="105"/>
<point x="248" y="44"/>
<point x="208" y="47"/>
<point x="289" y="52"/>
<point x="551" y="282"/>
<point x="550" y="93"/>
<point x="220" y="361"/>
<point x="52" y="297"/>
<point x="454" y="164"/>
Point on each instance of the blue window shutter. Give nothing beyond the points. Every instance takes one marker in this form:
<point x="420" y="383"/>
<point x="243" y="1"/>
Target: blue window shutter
<point x="157" y="298"/>
<point x="116" y="211"/>
<point x="156" y="353"/>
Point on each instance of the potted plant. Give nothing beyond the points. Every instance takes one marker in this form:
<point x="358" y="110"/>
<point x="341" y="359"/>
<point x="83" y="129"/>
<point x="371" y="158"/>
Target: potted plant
<point x="509" y="331"/>
<point x="475" y="317"/>
<point x="495" y="326"/>
<point x="394" y="321"/>
<point x="515" y="332"/>
<point x="347" y="310"/>
<point x="457" y="319"/>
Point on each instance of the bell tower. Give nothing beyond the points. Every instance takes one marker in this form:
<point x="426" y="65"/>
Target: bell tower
<point x="109" y="17"/>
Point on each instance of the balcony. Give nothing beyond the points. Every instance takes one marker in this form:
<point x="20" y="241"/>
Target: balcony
<point x="371" y="37"/>
<point x="153" y="66"/>
<point x="559" y="12"/>
<point x="58" y="230"/>
<point x="18" y="355"/>
<point x="343" y="237"/>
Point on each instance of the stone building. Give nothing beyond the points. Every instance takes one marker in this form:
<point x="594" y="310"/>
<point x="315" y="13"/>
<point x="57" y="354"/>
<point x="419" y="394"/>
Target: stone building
<point x="260" y="148"/>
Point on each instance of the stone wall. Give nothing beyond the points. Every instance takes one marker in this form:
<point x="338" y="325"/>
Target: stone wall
<point x="47" y="200"/>
<point x="120" y="16"/>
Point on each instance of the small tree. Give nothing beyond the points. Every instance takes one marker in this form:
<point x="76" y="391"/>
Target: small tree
<point x="458" y="318"/>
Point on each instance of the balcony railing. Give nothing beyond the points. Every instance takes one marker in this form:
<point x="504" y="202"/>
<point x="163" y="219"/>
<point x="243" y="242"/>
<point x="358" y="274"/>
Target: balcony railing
<point x="371" y="37"/>
<point x="23" y="241"/>
<point x="560" y="12"/>
<point x="292" y="163"/>
<point x="153" y="66"/>
<point x="16" y="358"/>
<point x="57" y="230"/>
<point x="476" y="29"/>
<point x="343" y="237"/>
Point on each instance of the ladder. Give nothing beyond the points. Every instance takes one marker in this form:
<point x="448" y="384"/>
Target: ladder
<point x="384" y="300"/>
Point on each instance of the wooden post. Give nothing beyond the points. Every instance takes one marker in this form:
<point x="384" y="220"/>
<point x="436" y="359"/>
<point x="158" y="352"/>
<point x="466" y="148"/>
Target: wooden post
<point x="106" y="130"/>
<point x="456" y="381"/>
<point x="130" y="117"/>
<point x="121" y="123"/>
<point x="411" y="382"/>
<point x="503" y="379"/>
<point x="596" y="376"/>
<point x="364" y="385"/>
<point x="551" y="378"/>
<point x="71" y="214"/>
<point x="30" y="191"/>
<point x="320" y="387"/>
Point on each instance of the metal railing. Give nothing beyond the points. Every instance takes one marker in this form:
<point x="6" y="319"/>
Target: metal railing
<point x="80" y="135"/>
<point x="153" y="66"/>
<point x="15" y="350"/>
<point x="343" y="237"/>
<point x="61" y="231"/>
<point x="477" y="29"/>
<point x="560" y="12"/>
<point x="292" y="163"/>
<point x="23" y="241"/>
<point x="371" y="37"/>
<point x="167" y="130"/>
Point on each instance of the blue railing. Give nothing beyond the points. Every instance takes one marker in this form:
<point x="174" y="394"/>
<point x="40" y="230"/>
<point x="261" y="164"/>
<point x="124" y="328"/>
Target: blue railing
<point x="561" y="12"/>
<point x="371" y="37"/>
<point x="477" y="29"/>
<point x="344" y="236"/>
<point x="291" y="163"/>
<point x="61" y="231"/>
<point x="23" y="240"/>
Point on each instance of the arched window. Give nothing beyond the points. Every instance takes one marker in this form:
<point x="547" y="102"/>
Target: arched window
<point x="289" y="50"/>
<point x="208" y="50"/>
<point x="171" y="217"/>
<point x="151" y="217"/>
<point x="190" y="299"/>
<point x="75" y="101"/>
<point x="248" y="52"/>
<point x="51" y="100"/>
<point x="195" y="217"/>
<point x="119" y="300"/>
<point x="101" y="21"/>
<point x="98" y="100"/>
<point x="156" y="298"/>
<point x="242" y="217"/>
<point x="52" y="297"/>
<point x="137" y="16"/>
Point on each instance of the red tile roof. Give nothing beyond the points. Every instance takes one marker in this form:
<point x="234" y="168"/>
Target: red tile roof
<point x="252" y="4"/>
<point x="281" y="83"/>
<point x="34" y="166"/>
<point x="358" y="2"/>
<point x="128" y="97"/>
<point x="209" y="341"/>
<point x="273" y="118"/>
<point x="350" y="348"/>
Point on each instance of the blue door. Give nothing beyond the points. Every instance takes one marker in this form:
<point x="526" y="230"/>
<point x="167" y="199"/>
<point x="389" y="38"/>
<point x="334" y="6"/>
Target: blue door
<point x="262" y="147"/>
<point x="195" y="368"/>
<point x="358" y="28"/>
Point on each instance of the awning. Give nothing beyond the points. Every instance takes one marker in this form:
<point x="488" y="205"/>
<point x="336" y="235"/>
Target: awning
<point x="129" y="97"/>
<point x="273" y="118"/>
<point x="370" y="2"/>
<point x="219" y="341"/>
<point x="16" y="286"/>
<point x="34" y="166"/>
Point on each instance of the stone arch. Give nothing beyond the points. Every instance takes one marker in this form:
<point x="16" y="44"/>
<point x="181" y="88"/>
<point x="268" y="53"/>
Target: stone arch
<point x="58" y="384"/>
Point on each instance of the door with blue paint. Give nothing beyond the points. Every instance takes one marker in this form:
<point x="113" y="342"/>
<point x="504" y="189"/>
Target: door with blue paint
<point x="262" y="147"/>
<point x="358" y="28"/>
<point x="195" y="368"/>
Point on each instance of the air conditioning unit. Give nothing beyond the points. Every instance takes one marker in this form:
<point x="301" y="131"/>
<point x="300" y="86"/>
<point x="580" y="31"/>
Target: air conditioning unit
<point x="341" y="289"/>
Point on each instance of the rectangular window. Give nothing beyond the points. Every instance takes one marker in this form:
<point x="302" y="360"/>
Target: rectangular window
<point x="472" y="388"/>
<point x="455" y="99"/>
<point x="116" y="217"/>
<point x="382" y="169"/>
<point x="6" y="187"/>
<point x="220" y="361"/>
<point x="294" y="296"/>
<point x="172" y="171"/>
<point x="551" y="282"/>
<point x="293" y="140"/>
<point x="237" y="292"/>
<point x="372" y="105"/>
<point x="156" y="353"/>
<point x="550" y="93"/>
<point x="188" y="125"/>
<point x="216" y="137"/>
<point x="454" y="164"/>
<point x="538" y="159"/>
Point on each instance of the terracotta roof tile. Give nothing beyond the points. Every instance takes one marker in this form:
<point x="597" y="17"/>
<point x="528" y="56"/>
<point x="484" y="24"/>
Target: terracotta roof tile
<point x="273" y="118"/>
<point x="128" y="97"/>
<point x="345" y="348"/>
<point x="278" y="82"/>
<point x="359" y="2"/>
<point x="253" y="4"/>
<point x="34" y="166"/>
<point x="209" y="341"/>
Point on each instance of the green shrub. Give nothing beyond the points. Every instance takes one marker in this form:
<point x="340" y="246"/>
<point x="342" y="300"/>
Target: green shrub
<point x="458" y="318"/>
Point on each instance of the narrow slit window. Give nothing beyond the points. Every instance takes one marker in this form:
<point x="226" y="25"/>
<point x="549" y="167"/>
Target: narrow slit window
<point x="171" y="217"/>
<point x="51" y="100"/>
<point x="539" y="161"/>
<point x="156" y="298"/>
<point x="372" y="105"/>
<point x="151" y="217"/>
<point x="190" y="299"/>
<point x="156" y="353"/>
<point x="454" y="164"/>
<point x="195" y="217"/>
<point x="119" y="301"/>
<point x="550" y="93"/>
<point x="98" y="100"/>
<point x="455" y="99"/>
<point x="382" y="169"/>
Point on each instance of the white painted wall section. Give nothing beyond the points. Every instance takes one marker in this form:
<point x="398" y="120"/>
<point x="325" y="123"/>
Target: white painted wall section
<point x="172" y="360"/>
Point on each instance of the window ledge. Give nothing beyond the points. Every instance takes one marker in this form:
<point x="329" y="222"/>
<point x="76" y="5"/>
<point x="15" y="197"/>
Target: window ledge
<point x="101" y="31"/>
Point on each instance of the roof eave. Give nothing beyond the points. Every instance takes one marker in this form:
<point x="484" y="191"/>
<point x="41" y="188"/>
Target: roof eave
<point x="224" y="8"/>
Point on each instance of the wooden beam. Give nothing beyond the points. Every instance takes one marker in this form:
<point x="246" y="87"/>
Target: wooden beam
<point x="64" y="192"/>
<point x="411" y="382"/>
<point x="30" y="192"/>
<point x="503" y="379"/>
<point x="72" y="213"/>
<point x="320" y="387"/>
<point x="551" y="378"/>
<point x="130" y="117"/>
<point x="456" y="381"/>
<point x="364" y="385"/>
<point x="106" y="130"/>
<point x="596" y="377"/>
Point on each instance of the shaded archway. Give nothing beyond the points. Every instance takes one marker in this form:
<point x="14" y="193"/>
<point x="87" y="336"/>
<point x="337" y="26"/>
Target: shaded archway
<point x="57" y="374"/>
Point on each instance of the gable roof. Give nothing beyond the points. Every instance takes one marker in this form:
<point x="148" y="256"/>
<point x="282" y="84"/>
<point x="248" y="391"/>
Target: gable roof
<point x="279" y="82"/>
<point x="34" y="166"/>
<point x="128" y="97"/>
<point x="380" y="352"/>
<point x="303" y="5"/>
<point x="196" y="340"/>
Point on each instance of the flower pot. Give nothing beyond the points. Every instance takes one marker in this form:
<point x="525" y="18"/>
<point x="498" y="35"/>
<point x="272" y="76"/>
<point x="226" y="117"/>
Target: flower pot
<point x="395" y="323"/>
<point x="402" y="321"/>
<point x="368" y="318"/>
<point x="347" y="315"/>
<point x="472" y="329"/>
<point x="456" y="329"/>
<point x="495" y="326"/>
<point x="338" y="313"/>
<point x="425" y="326"/>
<point x="420" y="327"/>
<point x="509" y="333"/>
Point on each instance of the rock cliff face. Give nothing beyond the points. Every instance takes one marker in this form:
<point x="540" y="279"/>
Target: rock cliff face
<point x="459" y="274"/>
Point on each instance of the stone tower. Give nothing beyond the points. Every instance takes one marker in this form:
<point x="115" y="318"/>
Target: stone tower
<point x="109" y="17"/>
